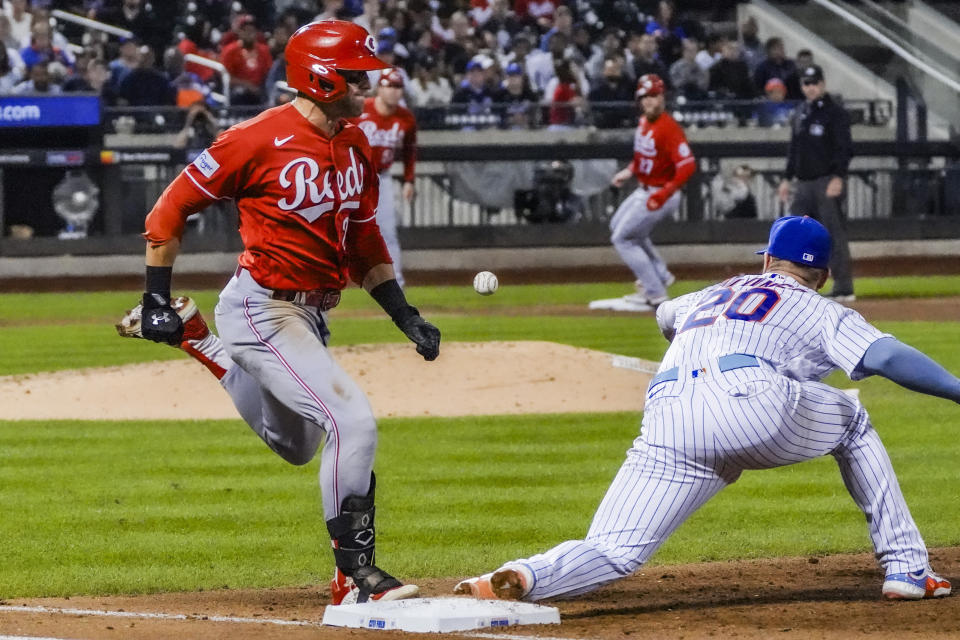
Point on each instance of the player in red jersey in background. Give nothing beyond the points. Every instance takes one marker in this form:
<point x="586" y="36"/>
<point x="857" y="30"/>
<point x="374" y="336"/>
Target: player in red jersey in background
<point x="306" y="191"/>
<point x="662" y="163"/>
<point x="391" y="130"/>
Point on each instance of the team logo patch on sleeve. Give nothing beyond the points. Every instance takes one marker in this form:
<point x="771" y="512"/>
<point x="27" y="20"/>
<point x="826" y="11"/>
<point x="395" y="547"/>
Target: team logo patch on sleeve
<point x="205" y="163"/>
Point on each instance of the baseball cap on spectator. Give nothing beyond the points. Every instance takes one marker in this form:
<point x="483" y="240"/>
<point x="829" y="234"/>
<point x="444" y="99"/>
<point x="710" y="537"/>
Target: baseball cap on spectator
<point x="474" y="65"/>
<point x="514" y="69"/>
<point x="426" y="60"/>
<point x="811" y="74"/>
<point x="387" y="33"/>
<point x="391" y="78"/>
<point x="799" y="239"/>
<point x="385" y="46"/>
<point x="774" y="83"/>
<point x="246" y="19"/>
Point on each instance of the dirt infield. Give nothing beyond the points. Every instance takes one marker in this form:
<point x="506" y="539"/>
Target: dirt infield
<point x="811" y="597"/>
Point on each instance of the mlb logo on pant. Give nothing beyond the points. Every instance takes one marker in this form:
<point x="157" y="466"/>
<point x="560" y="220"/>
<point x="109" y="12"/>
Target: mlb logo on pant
<point x="376" y="623"/>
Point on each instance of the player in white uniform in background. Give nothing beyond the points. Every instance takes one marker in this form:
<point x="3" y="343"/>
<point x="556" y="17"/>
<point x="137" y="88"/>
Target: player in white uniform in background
<point x="739" y="389"/>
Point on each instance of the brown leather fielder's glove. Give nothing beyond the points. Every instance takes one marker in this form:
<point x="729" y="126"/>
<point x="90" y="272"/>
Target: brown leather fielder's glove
<point x="425" y="335"/>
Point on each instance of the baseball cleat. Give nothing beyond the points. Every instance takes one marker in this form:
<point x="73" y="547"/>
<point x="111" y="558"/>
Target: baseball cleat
<point x="194" y="326"/>
<point x="343" y="590"/>
<point x="478" y="587"/>
<point x="916" y="585"/>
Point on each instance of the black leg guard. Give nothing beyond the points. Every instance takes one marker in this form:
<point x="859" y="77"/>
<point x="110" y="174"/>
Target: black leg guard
<point x="354" y="543"/>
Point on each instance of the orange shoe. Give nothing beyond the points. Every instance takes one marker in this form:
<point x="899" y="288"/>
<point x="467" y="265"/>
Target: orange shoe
<point x="915" y="586"/>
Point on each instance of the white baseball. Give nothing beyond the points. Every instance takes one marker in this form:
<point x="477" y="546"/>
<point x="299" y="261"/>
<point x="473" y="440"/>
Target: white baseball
<point x="485" y="283"/>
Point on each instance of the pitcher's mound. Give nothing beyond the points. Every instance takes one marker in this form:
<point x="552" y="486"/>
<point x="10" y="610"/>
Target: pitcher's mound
<point x="482" y="378"/>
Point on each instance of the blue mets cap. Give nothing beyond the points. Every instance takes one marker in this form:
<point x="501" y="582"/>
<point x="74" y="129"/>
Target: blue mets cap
<point x="514" y="69"/>
<point x="799" y="239"/>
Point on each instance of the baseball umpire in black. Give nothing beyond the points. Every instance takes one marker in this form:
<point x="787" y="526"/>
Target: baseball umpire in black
<point x="820" y="152"/>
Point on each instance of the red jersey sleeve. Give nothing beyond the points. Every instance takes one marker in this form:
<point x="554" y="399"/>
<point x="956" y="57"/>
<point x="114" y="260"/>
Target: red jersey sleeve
<point x="214" y="175"/>
<point x="362" y="242"/>
<point x="680" y="153"/>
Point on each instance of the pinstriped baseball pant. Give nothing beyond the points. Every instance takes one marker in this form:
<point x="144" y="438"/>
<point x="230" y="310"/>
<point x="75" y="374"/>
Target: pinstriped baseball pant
<point x="697" y="437"/>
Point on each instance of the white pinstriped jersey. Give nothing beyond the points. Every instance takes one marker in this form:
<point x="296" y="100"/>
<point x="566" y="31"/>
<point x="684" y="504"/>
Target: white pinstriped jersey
<point x="703" y="425"/>
<point x="802" y="334"/>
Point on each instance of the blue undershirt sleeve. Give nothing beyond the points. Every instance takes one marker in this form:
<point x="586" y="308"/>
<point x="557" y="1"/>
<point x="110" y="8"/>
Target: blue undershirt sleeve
<point x="908" y="367"/>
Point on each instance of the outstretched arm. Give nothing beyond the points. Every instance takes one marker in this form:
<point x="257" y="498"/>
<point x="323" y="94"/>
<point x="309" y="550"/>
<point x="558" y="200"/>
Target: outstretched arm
<point x="908" y="367"/>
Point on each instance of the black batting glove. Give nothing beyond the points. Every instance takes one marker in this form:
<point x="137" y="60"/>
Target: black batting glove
<point x="425" y="335"/>
<point x="159" y="322"/>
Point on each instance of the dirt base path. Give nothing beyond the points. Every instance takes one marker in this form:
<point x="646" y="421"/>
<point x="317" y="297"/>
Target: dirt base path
<point x="836" y="597"/>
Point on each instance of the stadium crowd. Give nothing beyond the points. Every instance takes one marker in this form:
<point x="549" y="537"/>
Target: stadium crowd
<point x="508" y="63"/>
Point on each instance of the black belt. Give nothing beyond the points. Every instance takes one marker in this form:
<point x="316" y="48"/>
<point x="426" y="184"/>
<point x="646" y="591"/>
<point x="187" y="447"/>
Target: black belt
<point x="322" y="299"/>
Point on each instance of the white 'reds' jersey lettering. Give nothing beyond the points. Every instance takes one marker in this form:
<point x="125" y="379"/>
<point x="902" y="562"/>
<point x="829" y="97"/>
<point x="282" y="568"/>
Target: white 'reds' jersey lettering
<point x="803" y="335"/>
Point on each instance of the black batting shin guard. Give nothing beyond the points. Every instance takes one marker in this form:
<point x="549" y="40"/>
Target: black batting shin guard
<point x="354" y="542"/>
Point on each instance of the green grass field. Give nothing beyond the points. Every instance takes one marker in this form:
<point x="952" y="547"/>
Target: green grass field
<point x="132" y="507"/>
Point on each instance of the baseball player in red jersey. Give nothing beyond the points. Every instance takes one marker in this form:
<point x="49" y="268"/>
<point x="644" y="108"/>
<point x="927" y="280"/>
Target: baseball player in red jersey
<point x="391" y="130"/>
<point x="662" y="163"/>
<point x="306" y="192"/>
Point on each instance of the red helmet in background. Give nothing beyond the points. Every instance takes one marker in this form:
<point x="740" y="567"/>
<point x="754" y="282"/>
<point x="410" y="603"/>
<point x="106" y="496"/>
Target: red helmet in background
<point x="649" y="84"/>
<point x="315" y="52"/>
<point x="391" y="78"/>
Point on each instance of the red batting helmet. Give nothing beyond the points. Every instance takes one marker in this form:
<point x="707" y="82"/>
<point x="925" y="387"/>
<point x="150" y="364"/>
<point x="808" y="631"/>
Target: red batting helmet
<point x="391" y="78"/>
<point x="649" y="85"/>
<point x="317" y="51"/>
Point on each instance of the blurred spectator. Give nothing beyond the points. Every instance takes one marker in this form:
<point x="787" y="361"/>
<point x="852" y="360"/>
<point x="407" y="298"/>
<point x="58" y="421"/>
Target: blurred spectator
<point x="612" y="86"/>
<point x="669" y="34"/>
<point x="731" y="194"/>
<point x="9" y="75"/>
<point x="189" y="88"/>
<point x="520" y="48"/>
<point x="388" y="35"/>
<point x="146" y="85"/>
<point x="196" y="40"/>
<point x="429" y="88"/>
<point x="538" y="13"/>
<point x="41" y="49"/>
<point x="474" y="91"/>
<point x="503" y="23"/>
<point x="751" y="48"/>
<point x="200" y="128"/>
<point x="42" y="26"/>
<point x="712" y="52"/>
<point x="582" y="43"/>
<point x="730" y="77"/>
<point x="562" y="23"/>
<point x="804" y="58"/>
<point x="121" y="66"/>
<point x="774" y="111"/>
<point x="134" y="16"/>
<point x="565" y="95"/>
<point x="688" y="78"/>
<point x="39" y="80"/>
<point x="21" y="20"/>
<point x="646" y="60"/>
<point x="7" y="39"/>
<point x="455" y="55"/>
<point x="778" y="65"/>
<point x="541" y="65"/>
<point x="331" y="10"/>
<point x="92" y="77"/>
<point x="237" y="24"/>
<point x="248" y="61"/>
<point x="517" y="99"/>
<point x="611" y="44"/>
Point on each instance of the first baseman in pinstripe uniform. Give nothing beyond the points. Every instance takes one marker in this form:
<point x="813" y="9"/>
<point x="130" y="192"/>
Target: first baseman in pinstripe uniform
<point x="737" y="390"/>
